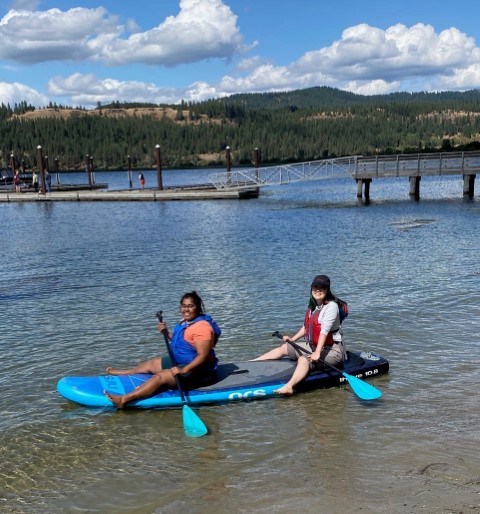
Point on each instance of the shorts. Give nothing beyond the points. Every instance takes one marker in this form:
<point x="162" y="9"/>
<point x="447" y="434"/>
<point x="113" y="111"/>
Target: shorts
<point x="199" y="377"/>
<point x="332" y="354"/>
<point x="293" y="353"/>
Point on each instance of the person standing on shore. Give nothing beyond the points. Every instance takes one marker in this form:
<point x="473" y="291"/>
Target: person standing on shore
<point x="48" y="181"/>
<point x="141" y="179"/>
<point x="35" y="181"/>
<point x="16" y="182"/>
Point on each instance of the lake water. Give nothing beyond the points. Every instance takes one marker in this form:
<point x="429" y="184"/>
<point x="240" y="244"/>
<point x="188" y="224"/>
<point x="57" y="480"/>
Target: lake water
<point x="79" y="288"/>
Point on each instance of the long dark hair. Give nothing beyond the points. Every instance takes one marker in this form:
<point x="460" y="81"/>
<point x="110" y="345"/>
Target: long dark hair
<point x="312" y="304"/>
<point x="197" y="301"/>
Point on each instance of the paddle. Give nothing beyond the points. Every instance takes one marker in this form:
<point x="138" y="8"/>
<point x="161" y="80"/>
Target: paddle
<point x="192" y="424"/>
<point x="360" y="388"/>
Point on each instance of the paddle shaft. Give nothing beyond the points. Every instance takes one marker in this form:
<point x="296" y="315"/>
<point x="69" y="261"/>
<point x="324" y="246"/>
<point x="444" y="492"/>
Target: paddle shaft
<point x="361" y="389"/>
<point x="300" y="349"/>
<point x="172" y="358"/>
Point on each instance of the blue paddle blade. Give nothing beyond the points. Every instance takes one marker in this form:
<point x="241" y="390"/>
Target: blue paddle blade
<point x="192" y="424"/>
<point x="362" y="389"/>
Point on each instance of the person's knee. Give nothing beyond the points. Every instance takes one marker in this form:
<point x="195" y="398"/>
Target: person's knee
<point x="303" y="361"/>
<point x="160" y="378"/>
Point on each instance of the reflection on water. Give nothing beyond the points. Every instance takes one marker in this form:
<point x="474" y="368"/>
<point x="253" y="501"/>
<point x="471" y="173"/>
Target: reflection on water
<point x="79" y="290"/>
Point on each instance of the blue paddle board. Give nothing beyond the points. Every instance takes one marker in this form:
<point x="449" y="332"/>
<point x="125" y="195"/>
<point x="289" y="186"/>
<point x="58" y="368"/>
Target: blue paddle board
<point x="233" y="381"/>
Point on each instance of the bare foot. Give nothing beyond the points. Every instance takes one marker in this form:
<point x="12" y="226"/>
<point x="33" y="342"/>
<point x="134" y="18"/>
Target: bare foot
<point x="113" y="371"/>
<point x="285" y="391"/>
<point x="116" y="399"/>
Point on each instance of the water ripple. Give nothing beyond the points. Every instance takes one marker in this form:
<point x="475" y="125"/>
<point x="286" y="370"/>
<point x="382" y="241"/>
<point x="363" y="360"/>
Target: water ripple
<point x="81" y="292"/>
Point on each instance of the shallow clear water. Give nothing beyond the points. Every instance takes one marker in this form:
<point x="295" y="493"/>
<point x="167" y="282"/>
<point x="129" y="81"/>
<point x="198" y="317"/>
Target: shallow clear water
<point x="79" y="288"/>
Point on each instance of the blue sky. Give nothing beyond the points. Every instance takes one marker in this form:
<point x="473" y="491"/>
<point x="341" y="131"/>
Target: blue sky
<point x="83" y="52"/>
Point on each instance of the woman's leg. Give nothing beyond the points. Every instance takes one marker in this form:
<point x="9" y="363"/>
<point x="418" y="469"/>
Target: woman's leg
<point x="151" y="366"/>
<point x="275" y="354"/>
<point x="301" y="371"/>
<point x="147" y="389"/>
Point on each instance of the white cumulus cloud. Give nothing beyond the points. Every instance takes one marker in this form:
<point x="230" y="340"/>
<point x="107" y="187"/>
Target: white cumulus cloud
<point x="203" y="29"/>
<point x="88" y="90"/>
<point x="365" y="60"/>
<point x="369" y="60"/>
<point x="11" y="93"/>
<point x="53" y="35"/>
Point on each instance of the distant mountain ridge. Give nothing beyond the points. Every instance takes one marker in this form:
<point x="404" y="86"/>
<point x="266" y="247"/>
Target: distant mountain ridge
<point x="293" y="126"/>
<point x="326" y="97"/>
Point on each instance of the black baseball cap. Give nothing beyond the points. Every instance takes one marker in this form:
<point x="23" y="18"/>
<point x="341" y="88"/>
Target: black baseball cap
<point x="321" y="281"/>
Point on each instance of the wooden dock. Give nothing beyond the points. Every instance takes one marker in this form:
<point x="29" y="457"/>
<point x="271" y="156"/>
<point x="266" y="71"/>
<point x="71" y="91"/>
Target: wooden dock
<point x="130" y="195"/>
<point x="416" y="166"/>
<point x="246" y="182"/>
<point x="362" y="169"/>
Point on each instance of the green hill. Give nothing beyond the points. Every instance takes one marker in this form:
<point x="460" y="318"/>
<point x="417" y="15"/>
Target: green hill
<point x="293" y="126"/>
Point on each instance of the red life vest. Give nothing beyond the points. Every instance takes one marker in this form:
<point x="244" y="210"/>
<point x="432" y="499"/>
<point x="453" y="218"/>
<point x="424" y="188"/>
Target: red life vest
<point x="313" y="328"/>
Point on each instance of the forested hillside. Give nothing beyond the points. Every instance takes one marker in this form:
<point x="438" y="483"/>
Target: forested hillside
<point x="294" y="126"/>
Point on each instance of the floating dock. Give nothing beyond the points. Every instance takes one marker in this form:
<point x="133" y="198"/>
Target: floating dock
<point x="133" y="195"/>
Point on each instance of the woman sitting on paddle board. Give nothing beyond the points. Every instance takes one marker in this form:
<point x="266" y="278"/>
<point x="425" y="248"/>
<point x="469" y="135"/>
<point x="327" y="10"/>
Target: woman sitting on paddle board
<point x="193" y="342"/>
<point x="322" y="332"/>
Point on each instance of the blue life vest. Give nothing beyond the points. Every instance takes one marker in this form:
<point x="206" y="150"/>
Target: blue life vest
<point x="184" y="352"/>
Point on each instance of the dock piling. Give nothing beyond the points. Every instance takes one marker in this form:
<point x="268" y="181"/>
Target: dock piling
<point x="159" y="167"/>
<point x="414" y="187"/>
<point x="469" y="185"/>
<point x="87" y="169"/>
<point x="12" y="163"/>
<point x="129" y="168"/>
<point x="42" y="170"/>
<point x="92" y="171"/>
<point x="229" y="165"/>
<point x="57" y="171"/>
<point x="364" y="184"/>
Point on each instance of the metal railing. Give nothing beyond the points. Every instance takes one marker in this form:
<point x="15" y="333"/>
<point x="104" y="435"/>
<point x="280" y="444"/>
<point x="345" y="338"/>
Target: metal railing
<point x="417" y="165"/>
<point x="284" y="174"/>
<point x="356" y="167"/>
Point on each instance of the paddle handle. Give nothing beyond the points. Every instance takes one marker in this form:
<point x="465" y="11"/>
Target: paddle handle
<point x="172" y="358"/>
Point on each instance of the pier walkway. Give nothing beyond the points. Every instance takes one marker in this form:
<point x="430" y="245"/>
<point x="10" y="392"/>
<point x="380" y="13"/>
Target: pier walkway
<point x="362" y="169"/>
<point x="285" y="173"/>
